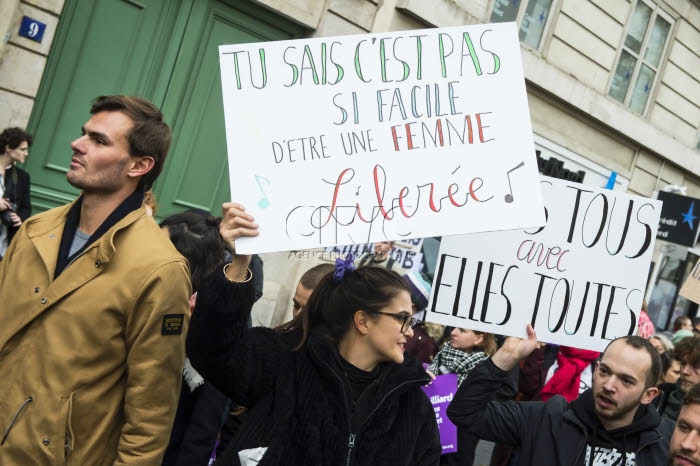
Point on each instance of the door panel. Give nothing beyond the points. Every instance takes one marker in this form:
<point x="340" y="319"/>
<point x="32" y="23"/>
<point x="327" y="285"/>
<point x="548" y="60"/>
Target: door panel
<point x="196" y="174"/>
<point x="164" y="50"/>
<point x="101" y="48"/>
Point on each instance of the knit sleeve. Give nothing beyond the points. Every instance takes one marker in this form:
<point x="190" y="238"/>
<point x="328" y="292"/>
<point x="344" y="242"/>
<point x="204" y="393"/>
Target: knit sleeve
<point x="241" y="362"/>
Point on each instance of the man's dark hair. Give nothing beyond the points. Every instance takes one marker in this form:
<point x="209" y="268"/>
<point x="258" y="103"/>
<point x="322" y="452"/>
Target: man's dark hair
<point x="638" y="342"/>
<point x="13" y="137"/>
<point x="150" y="135"/>
<point x="693" y="396"/>
<point x="313" y="276"/>
<point x="687" y="351"/>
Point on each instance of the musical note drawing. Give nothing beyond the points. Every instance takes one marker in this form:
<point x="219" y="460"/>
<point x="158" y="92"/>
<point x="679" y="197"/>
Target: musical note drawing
<point x="509" y="197"/>
<point x="263" y="203"/>
<point x="358" y="190"/>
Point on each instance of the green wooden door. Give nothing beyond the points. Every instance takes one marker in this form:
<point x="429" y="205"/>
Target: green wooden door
<point x="165" y="50"/>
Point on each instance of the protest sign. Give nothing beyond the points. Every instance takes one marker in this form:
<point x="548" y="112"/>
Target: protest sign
<point x="353" y="139"/>
<point x="440" y="393"/>
<point x="691" y="287"/>
<point x="579" y="280"/>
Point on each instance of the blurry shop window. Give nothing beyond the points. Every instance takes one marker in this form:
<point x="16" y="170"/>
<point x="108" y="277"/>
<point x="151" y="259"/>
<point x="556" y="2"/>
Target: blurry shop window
<point x="531" y="15"/>
<point x="638" y="64"/>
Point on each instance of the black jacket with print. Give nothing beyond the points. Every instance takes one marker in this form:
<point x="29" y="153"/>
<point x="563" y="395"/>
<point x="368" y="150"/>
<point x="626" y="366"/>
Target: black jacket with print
<point x="299" y="401"/>
<point x="553" y="433"/>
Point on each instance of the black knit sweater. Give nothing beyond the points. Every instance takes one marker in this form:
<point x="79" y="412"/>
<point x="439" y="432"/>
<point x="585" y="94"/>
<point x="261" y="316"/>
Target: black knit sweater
<point x="299" y="401"/>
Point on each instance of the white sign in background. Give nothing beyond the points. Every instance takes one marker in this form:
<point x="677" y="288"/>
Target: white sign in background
<point x="580" y="280"/>
<point x="353" y="139"/>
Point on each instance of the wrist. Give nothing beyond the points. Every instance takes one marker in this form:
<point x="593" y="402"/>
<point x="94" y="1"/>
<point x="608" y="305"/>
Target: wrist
<point x="239" y="276"/>
<point x="504" y="360"/>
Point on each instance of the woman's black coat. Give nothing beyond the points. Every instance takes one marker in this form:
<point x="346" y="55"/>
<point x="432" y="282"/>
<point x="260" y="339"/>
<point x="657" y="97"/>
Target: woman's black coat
<point x="299" y="401"/>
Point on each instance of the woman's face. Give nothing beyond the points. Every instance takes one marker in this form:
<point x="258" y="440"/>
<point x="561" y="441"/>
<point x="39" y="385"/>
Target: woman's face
<point x="385" y="338"/>
<point x="657" y="344"/>
<point x="465" y="339"/>
<point x="673" y="372"/>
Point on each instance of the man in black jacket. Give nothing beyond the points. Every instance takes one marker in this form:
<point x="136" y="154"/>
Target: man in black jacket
<point x="15" y="202"/>
<point x="611" y="424"/>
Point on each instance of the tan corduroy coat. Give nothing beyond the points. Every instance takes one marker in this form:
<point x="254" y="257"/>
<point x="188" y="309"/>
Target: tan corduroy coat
<point x="91" y="363"/>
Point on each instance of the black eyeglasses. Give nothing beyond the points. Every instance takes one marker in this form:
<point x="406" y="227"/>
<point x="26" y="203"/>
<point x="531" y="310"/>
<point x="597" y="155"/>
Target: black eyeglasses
<point x="405" y="318"/>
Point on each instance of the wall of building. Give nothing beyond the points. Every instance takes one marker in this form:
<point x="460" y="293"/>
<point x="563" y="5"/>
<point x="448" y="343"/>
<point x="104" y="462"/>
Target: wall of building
<point x="22" y="60"/>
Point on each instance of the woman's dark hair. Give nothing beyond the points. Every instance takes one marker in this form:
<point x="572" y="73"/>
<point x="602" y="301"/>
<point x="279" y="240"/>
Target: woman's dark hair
<point x="197" y="238"/>
<point x="332" y="305"/>
<point x="13" y="137"/>
<point x="666" y="361"/>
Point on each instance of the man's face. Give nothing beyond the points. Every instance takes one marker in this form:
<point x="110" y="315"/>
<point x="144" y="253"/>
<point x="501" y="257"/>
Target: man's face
<point x="101" y="159"/>
<point x="685" y="442"/>
<point x="690" y="375"/>
<point x="300" y="300"/>
<point x="618" y="384"/>
<point x="382" y="248"/>
<point x="18" y="154"/>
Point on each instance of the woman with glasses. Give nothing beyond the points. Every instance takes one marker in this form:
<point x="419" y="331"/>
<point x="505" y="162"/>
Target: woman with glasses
<point x="331" y="387"/>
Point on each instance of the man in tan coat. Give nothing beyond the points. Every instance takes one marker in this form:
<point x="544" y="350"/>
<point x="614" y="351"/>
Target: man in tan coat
<point x="94" y="308"/>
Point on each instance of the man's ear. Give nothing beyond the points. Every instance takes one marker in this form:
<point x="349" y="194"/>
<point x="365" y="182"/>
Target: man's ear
<point x="360" y="320"/>
<point x="141" y="165"/>
<point x="649" y="394"/>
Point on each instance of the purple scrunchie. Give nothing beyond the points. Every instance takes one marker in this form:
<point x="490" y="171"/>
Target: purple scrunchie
<point x="342" y="266"/>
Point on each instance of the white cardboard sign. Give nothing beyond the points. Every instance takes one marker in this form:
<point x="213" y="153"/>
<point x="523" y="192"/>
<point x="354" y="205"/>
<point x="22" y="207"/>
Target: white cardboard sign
<point x="691" y="287"/>
<point x="397" y="135"/>
<point x="579" y="280"/>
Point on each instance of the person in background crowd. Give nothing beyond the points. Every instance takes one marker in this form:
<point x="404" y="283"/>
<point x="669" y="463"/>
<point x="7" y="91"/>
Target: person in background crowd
<point x="307" y="284"/>
<point x="679" y="323"/>
<point x="15" y="201"/>
<point x="381" y="257"/>
<point x="661" y="343"/>
<point x="645" y="326"/>
<point x="95" y="307"/>
<point x="608" y="424"/>
<point x="696" y="326"/>
<point x="685" y="442"/>
<point x="201" y="407"/>
<point x="670" y="368"/>
<point x="423" y="344"/>
<point x="333" y="386"/>
<point x="571" y="374"/>
<point x="688" y="353"/>
<point x="460" y="356"/>
<point x="680" y="335"/>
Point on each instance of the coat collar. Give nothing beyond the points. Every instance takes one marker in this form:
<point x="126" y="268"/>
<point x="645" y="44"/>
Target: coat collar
<point x="46" y="230"/>
<point x="392" y="376"/>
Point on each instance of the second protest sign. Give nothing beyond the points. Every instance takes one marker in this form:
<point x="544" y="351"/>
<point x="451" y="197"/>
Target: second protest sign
<point x="579" y="280"/>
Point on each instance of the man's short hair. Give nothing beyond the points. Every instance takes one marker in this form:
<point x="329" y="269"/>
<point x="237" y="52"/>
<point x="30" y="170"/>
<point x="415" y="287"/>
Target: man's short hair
<point x="688" y="351"/>
<point x="150" y="135"/>
<point x="13" y="137"/>
<point x="638" y="342"/>
<point x="693" y="396"/>
<point x="313" y="276"/>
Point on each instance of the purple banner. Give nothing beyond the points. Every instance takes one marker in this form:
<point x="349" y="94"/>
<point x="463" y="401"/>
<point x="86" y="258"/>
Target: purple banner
<point x="440" y="393"/>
